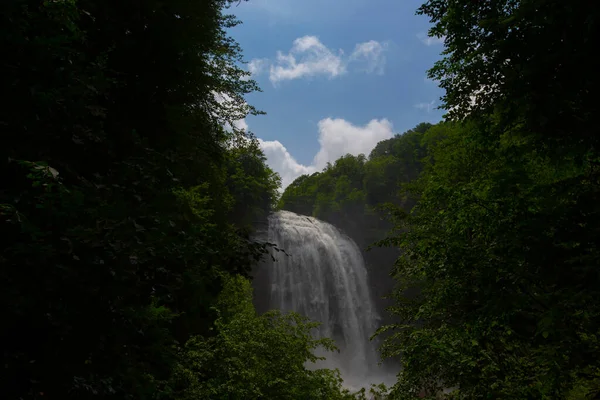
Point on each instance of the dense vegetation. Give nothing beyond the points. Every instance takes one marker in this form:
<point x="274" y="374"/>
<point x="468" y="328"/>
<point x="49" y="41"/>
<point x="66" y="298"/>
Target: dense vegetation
<point x="254" y="356"/>
<point x="497" y="284"/>
<point x="128" y="198"/>
<point x="126" y="208"/>
<point x="347" y="192"/>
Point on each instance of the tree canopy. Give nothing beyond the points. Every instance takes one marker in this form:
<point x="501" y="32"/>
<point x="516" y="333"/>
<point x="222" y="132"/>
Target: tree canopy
<point x="128" y="199"/>
<point x="501" y="244"/>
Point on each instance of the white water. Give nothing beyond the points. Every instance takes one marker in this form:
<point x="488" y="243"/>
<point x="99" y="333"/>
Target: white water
<point x="323" y="276"/>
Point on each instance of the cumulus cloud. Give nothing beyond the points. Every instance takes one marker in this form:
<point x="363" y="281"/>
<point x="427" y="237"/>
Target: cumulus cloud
<point x="428" y="40"/>
<point x="337" y="137"/>
<point x="425" y="106"/>
<point x="282" y="162"/>
<point x="309" y="57"/>
<point x="257" y="66"/>
<point x="372" y="54"/>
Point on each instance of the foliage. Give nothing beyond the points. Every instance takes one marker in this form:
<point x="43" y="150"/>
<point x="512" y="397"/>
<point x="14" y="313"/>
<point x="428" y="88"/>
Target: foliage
<point x="254" y="356"/>
<point x="499" y="254"/>
<point x="502" y="257"/>
<point x="527" y="61"/>
<point x="347" y="192"/>
<point x="124" y="200"/>
<point x="253" y="184"/>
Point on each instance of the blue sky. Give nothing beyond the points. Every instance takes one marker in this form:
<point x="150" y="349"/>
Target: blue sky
<point x="337" y="76"/>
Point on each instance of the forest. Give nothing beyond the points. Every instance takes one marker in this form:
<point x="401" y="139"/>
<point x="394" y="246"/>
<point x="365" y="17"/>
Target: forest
<point x="129" y="198"/>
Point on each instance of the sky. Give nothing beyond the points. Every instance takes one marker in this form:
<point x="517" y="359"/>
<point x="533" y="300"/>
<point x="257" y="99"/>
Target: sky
<point x="337" y="77"/>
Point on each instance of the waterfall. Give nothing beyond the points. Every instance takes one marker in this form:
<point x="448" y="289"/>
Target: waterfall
<point x="322" y="275"/>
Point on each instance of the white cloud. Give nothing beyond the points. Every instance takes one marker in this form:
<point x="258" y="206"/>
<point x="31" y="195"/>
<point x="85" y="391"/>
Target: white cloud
<point x="309" y="57"/>
<point x="428" y="40"/>
<point x="282" y="162"/>
<point x="372" y="54"/>
<point x="257" y="66"/>
<point x="337" y="138"/>
<point x="425" y="106"/>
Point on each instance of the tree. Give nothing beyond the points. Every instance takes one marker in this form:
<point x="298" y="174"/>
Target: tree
<point x="528" y="61"/>
<point x="500" y="248"/>
<point x="251" y="182"/>
<point x="116" y="200"/>
<point x="299" y="196"/>
<point x="502" y="266"/>
<point x="256" y="356"/>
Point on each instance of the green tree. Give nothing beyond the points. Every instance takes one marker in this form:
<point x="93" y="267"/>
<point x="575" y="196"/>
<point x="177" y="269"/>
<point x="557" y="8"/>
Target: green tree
<point x="502" y="266"/>
<point x="251" y="182"/>
<point x="500" y="248"/>
<point x="300" y="195"/>
<point x="116" y="200"/>
<point x="528" y="61"/>
<point x="256" y="356"/>
<point x="347" y="192"/>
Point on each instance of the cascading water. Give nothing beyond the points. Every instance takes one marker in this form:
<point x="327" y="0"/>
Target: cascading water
<point x="322" y="275"/>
